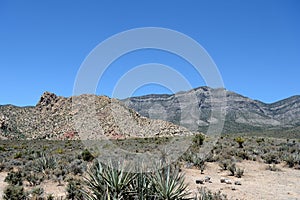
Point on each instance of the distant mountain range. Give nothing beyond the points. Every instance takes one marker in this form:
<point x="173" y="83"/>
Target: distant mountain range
<point x="53" y="116"/>
<point x="242" y="114"/>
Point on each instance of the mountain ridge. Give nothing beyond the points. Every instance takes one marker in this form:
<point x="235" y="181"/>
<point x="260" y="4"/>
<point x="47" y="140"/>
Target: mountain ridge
<point x="52" y="116"/>
<point x="242" y="113"/>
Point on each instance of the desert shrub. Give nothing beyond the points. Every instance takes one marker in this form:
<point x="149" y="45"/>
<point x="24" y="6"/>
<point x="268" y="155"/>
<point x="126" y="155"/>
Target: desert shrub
<point x="34" y="179"/>
<point x="271" y="157"/>
<point x="232" y="169"/>
<point x="77" y="167"/>
<point x="2" y="148"/>
<point x="87" y="156"/>
<point x="205" y="194"/>
<point x="224" y="164"/>
<point x="239" y="172"/>
<point x="14" y="178"/>
<point x="59" y="151"/>
<point x="60" y="174"/>
<point x="2" y="166"/>
<point x="14" y="192"/>
<point x="50" y="197"/>
<point x="36" y="193"/>
<point x="273" y="168"/>
<point x="44" y="163"/>
<point x="18" y="155"/>
<point x="73" y="190"/>
<point x="240" y="141"/>
<point x="199" y="163"/>
<point x="260" y="140"/>
<point x="242" y="154"/>
<point x="199" y="139"/>
<point x="292" y="160"/>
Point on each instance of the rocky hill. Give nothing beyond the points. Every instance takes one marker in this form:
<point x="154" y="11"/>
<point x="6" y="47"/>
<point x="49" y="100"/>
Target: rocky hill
<point x="53" y="118"/>
<point x="242" y="114"/>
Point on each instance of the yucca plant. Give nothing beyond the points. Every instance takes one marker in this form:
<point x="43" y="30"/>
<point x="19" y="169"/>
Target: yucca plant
<point x="169" y="184"/>
<point x="108" y="182"/>
<point x="43" y="163"/>
<point x="142" y="187"/>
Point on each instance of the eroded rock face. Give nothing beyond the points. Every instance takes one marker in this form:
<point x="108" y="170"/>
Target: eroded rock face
<point x="242" y="114"/>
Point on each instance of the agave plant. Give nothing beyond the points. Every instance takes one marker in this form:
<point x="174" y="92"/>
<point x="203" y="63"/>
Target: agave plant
<point x="169" y="184"/>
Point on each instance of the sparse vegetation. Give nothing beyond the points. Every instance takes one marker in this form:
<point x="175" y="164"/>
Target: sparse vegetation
<point x="31" y="164"/>
<point x="205" y="194"/>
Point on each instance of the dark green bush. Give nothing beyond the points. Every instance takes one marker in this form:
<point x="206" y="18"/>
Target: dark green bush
<point x="199" y="139"/>
<point x="14" y="192"/>
<point x="74" y="190"/>
<point x="14" y="178"/>
<point x="87" y="156"/>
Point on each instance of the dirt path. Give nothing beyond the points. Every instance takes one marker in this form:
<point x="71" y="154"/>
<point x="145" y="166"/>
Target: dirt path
<point x="257" y="182"/>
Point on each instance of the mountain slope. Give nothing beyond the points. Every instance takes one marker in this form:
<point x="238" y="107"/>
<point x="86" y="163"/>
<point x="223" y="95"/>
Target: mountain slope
<point x="242" y="114"/>
<point x="53" y="118"/>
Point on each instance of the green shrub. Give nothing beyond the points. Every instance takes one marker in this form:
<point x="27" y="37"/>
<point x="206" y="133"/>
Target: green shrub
<point x="87" y="156"/>
<point x="205" y="194"/>
<point x="199" y="139"/>
<point x="224" y="164"/>
<point x="14" y="192"/>
<point x="240" y="141"/>
<point x="34" y="179"/>
<point x="18" y="155"/>
<point x="232" y="169"/>
<point x="14" y="178"/>
<point x="271" y="157"/>
<point x="239" y="173"/>
<point x="37" y="192"/>
<point x="74" y="190"/>
<point x="44" y="163"/>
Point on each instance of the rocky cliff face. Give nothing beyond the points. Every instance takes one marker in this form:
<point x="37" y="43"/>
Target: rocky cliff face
<point x="57" y="117"/>
<point x="242" y="114"/>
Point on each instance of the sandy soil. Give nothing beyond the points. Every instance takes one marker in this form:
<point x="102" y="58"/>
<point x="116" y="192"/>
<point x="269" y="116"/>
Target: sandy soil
<point x="50" y="187"/>
<point x="257" y="182"/>
<point x="2" y="183"/>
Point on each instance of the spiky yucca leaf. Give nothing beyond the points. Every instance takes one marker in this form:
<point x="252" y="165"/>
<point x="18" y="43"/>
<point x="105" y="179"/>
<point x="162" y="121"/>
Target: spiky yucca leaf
<point x="106" y="182"/>
<point x="169" y="184"/>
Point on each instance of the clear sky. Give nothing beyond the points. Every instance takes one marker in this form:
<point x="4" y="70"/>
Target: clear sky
<point x="254" y="43"/>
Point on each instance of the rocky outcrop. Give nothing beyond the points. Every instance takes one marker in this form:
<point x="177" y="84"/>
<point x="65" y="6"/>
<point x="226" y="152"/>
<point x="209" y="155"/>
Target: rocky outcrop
<point x="80" y="117"/>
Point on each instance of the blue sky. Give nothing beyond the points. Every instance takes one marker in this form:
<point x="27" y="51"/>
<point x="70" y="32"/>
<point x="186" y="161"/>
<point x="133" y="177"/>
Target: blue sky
<point x="254" y="43"/>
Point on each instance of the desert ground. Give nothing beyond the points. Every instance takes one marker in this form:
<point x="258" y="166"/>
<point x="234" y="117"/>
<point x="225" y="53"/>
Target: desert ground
<point x="270" y="166"/>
